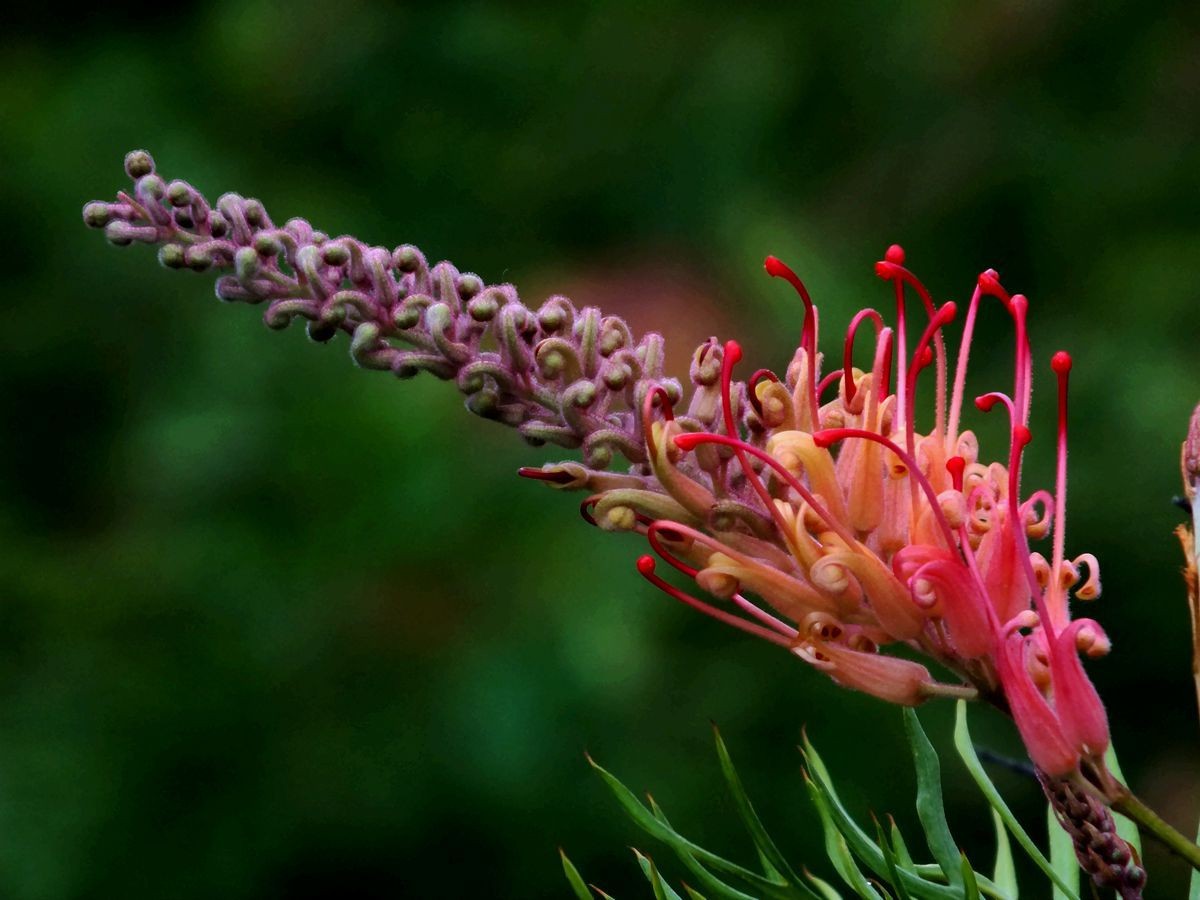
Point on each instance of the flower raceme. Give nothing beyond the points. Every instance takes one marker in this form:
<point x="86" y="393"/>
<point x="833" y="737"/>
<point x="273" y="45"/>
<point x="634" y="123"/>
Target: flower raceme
<point x="817" y="510"/>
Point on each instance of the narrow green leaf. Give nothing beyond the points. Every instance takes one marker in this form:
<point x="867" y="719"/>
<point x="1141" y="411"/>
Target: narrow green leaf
<point x="1005" y="872"/>
<point x="1126" y="827"/>
<point x="837" y="849"/>
<point x="656" y="829"/>
<point x="898" y="845"/>
<point x="1194" y="889"/>
<point x="1062" y="855"/>
<point x="889" y="857"/>
<point x="970" y="886"/>
<point x="662" y="890"/>
<point x="966" y="750"/>
<point x="931" y="809"/>
<point x="861" y="844"/>
<point x="602" y="895"/>
<point x="824" y="888"/>
<point x="693" y="894"/>
<point x="574" y="878"/>
<point x="707" y="880"/>
<point x="986" y="886"/>
<point x="778" y="865"/>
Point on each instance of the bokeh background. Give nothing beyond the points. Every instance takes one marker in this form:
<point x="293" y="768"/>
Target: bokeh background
<point x="272" y="626"/>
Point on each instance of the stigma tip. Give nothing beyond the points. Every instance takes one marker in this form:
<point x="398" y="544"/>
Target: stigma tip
<point x="1061" y="362"/>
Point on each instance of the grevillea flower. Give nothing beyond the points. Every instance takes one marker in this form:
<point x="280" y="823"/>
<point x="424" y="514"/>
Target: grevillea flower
<point x="822" y="510"/>
<point x="864" y="524"/>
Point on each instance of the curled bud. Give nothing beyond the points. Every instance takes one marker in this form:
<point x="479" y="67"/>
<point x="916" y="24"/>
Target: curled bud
<point x="171" y="256"/>
<point x="138" y="163"/>
<point x="469" y="285"/>
<point x="179" y="193"/>
<point x="96" y="215"/>
<point x="408" y="258"/>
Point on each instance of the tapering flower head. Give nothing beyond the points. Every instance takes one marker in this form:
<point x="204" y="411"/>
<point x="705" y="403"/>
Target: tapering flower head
<point x="823" y="512"/>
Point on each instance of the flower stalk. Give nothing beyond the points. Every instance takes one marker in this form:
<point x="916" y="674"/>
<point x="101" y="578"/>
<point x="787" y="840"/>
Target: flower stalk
<point x="1151" y="823"/>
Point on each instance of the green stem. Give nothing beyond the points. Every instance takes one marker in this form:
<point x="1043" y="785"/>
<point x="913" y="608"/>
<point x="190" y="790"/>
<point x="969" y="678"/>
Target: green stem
<point x="1152" y="823"/>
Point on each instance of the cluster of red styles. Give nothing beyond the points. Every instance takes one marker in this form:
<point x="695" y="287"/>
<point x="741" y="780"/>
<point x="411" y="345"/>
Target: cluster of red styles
<point x="857" y="532"/>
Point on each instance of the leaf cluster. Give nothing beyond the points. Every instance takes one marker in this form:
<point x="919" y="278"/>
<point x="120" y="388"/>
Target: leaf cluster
<point x="873" y="863"/>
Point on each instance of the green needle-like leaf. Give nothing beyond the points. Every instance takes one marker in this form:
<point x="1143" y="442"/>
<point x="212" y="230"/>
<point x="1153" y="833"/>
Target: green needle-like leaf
<point x="966" y="750"/>
<point x="970" y="886"/>
<point x="931" y="809"/>
<point x="1062" y="855"/>
<point x="1005" y="873"/>
<point x="662" y="890"/>
<point x="837" y="849"/>
<point x="861" y="843"/>
<point x="893" y="865"/>
<point x="824" y="888"/>
<point x="693" y="894"/>
<point x="707" y="880"/>
<point x="898" y="845"/>
<point x="656" y="829"/>
<point x="778" y="864"/>
<point x="574" y="878"/>
<point x="1126" y="827"/>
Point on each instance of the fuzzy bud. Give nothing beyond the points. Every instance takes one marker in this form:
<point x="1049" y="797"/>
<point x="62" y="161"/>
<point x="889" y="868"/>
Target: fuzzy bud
<point x="138" y="164"/>
<point x="96" y="215"/>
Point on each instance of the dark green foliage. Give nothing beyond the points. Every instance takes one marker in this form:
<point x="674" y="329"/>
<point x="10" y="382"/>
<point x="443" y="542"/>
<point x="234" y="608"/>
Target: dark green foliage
<point x="873" y="868"/>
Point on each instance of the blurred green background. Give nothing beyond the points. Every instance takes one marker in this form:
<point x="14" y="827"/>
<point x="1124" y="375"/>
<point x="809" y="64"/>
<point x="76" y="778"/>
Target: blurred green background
<point x="272" y="626"/>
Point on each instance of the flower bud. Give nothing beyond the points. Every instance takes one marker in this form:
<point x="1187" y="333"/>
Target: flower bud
<point x="138" y="163"/>
<point x="96" y="214"/>
<point x="469" y="284"/>
<point x="179" y="193"/>
<point x="408" y="258"/>
<point x="171" y="256"/>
